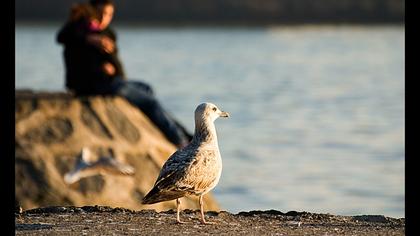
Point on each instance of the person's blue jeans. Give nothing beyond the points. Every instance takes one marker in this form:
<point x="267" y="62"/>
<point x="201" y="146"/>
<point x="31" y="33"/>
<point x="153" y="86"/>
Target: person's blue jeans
<point x="141" y="95"/>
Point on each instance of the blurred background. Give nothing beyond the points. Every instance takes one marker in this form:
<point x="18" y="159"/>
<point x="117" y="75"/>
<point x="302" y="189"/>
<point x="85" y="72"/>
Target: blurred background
<point x="315" y="90"/>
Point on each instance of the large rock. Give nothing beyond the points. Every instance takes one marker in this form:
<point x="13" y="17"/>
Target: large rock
<point x="52" y="128"/>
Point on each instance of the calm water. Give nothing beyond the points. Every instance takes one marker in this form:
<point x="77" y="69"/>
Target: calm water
<point x="317" y="113"/>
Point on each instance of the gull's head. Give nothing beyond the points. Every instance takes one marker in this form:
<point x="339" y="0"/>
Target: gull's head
<point x="209" y="111"/>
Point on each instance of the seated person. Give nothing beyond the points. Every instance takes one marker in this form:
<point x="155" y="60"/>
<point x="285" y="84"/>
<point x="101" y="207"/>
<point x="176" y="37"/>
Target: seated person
<point x="93" y="66"/>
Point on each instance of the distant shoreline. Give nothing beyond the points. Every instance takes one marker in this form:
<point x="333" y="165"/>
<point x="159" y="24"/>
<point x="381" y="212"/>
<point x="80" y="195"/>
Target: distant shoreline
<point x="221" y="24"/>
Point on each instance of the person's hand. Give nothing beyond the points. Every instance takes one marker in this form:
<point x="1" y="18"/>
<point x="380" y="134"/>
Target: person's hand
<point x="107" y="44"/>
<point x="102" y="42"/>
<point x="109" y="68"/>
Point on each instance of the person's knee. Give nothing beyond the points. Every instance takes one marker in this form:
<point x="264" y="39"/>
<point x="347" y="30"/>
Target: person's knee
<point x="144" y="87"/>
<point x="150" y="90"/>
<point x="140" y="99"/>
<point x="147" y="88"/>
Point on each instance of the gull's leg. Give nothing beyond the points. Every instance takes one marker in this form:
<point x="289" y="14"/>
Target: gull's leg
<point x="178" y="207"/>
<point x="200" y="200"/>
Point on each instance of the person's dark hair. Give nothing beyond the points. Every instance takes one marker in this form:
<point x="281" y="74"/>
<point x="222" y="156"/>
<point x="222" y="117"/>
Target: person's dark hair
<point x="82" y="11"/>
<point x="101" y="2"/>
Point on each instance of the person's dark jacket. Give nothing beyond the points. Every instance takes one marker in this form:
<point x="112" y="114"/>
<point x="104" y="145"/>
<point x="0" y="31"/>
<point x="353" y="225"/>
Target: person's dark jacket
<point x="84" y="61"/>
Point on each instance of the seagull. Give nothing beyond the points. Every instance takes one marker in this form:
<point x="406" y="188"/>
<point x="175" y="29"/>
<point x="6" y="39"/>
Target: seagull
<point x="86" y="167"/>
<point x="193" y="169"/>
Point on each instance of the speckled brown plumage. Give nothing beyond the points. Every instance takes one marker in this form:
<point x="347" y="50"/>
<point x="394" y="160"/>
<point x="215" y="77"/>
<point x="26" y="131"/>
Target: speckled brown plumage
<point x="194" y="169"/>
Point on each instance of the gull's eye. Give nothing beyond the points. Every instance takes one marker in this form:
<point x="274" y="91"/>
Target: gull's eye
<point x="214" y="109"/>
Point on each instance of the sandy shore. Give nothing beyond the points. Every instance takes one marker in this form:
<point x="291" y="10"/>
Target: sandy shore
<point x="100" y="220"/>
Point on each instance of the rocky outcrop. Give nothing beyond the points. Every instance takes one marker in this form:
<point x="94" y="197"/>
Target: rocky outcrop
<point x="52" y="128"/>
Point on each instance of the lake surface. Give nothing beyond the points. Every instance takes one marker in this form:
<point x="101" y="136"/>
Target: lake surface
<point x="317" y="113"/>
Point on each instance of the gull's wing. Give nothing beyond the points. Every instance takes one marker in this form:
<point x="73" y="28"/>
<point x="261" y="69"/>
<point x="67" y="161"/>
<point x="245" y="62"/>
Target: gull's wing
<point x="175" y="167"/>
<point x="80" y="169"/>
<point x="86" y="167"/>
<point x="79" y="173"/>
<point x="165" y="187"/>
<point x="109" y="165"/>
